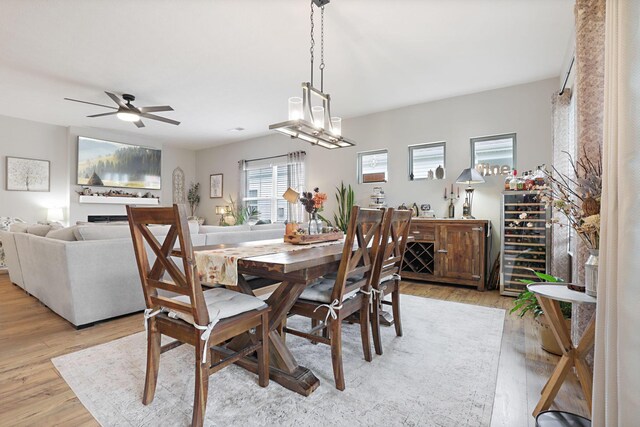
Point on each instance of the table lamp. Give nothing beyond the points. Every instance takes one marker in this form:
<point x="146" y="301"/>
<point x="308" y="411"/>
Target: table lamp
<point x="221" y="210"/>
<point x="55" y="215"/>
<point x="469" y="176"/>
<point x="291" y="196"/>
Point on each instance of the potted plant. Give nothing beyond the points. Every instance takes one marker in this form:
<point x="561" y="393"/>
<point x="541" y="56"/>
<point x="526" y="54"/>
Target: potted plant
<point x="528" y="303"/>
<point x="193" y="198"/>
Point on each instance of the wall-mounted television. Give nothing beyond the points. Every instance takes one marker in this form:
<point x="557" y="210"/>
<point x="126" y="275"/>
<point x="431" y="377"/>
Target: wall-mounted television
<point x="113" y="164"/>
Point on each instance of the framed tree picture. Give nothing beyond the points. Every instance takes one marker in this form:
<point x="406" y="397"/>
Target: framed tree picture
<point x="215" y="189"/>
<point x="27" y="174"/>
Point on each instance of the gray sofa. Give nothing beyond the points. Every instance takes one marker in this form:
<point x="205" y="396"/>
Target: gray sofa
<point x="88" y="273"/>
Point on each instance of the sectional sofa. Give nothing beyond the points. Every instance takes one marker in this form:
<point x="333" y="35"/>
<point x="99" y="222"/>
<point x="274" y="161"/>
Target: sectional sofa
<point x="88" y="273"/>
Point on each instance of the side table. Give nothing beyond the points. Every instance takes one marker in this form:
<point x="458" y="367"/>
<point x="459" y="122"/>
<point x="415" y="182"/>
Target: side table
<point x="549" y="297"/>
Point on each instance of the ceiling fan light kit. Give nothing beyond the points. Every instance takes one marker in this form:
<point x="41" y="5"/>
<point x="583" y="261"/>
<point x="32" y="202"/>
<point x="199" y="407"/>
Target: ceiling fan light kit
<point x="314" y="123"/>
<point x="128" y="112"/>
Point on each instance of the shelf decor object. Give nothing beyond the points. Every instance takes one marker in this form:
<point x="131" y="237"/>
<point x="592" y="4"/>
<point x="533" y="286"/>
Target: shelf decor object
<point x="469" y="176"/>
<point x="308" y="122"/>
<point x="526" y="239"/>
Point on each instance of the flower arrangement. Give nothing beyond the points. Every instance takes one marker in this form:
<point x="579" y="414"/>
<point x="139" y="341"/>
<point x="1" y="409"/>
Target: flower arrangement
<point x="577" y="197"/>
<point x="313" y="203"/>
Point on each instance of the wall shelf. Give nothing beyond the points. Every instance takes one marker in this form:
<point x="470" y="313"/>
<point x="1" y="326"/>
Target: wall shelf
<point x="119" y="200"/>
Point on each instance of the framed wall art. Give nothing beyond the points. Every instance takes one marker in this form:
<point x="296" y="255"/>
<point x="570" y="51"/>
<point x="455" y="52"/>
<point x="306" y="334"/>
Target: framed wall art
<point x="215" y="189"/>
<point x="27" y="174"/>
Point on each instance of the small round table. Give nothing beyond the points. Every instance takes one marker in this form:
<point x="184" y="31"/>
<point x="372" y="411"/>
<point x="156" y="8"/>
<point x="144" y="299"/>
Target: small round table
<point x="549" y="297"/>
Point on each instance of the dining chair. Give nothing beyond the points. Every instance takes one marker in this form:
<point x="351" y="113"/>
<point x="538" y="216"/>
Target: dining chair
<point x="328" y="301"/>
<point x="203" y="319"/>
<point x="385" y="278"/>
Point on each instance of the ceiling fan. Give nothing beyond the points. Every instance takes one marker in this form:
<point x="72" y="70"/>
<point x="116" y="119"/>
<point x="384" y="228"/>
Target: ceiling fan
<point x="130" y="113"/>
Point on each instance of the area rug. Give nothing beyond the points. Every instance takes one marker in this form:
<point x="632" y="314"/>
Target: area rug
<point x="442" y="372"/>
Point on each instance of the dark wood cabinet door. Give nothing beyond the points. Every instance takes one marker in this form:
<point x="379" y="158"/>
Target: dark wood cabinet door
<point x="460" y="252"/>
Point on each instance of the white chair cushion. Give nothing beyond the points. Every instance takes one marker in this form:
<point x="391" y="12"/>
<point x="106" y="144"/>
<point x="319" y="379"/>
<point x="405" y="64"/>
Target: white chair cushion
<point x="320" y="291"/>
<point x="221" y="303"/>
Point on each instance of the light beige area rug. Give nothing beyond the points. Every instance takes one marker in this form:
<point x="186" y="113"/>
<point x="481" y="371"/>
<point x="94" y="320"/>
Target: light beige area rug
<point x="442" y="372"/>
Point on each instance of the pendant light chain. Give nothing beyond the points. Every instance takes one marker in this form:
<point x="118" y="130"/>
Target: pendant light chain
<point x="322" y="49"/>
<point x="313" y="42"/>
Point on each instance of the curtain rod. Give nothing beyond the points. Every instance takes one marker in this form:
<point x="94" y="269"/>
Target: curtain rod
<point x="273" y="157"/>
<point x="566" y="79"/>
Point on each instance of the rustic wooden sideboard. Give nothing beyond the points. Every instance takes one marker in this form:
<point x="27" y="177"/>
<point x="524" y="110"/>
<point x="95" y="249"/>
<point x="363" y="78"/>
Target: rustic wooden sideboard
<point x="447" y="251"/>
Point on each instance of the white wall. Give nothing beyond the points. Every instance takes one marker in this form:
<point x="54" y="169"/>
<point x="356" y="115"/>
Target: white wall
<point x="523" y="109"/>
<point x="24" y="138"/>
<point x="58" y="144"/>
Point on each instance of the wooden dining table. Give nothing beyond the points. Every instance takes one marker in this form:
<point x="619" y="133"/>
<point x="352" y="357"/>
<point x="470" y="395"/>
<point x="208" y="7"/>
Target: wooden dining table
<point x="294" y="270"/>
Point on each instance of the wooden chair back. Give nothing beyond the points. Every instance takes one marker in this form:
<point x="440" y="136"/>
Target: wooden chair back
<point x="183" y="281"/>
<point x="365" y="229"/>
<point x="395" y="233"/>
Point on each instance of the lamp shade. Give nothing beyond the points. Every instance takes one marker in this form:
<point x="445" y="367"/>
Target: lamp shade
<point x="470" y="176"/>
<point x="55" y="214"/>
<point x="291" y="195"/>
<point x="221" y="210"/>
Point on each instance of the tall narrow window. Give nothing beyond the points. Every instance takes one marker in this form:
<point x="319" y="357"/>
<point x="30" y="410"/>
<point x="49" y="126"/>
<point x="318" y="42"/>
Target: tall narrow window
<point x="494" y="152"/>
<point x="265" y="181"/>
<point x="424" y="160"/>
<point x="372" y="166"/>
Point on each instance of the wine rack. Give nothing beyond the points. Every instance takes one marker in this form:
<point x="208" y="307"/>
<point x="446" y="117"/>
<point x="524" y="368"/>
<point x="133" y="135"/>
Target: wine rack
<point x="419" y="258"/>
<point x="526" y="240"/>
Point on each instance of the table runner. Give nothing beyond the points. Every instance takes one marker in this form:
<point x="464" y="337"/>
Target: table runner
<point x="220" y="266"/>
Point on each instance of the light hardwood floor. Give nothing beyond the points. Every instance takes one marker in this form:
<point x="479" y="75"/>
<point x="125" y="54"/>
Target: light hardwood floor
<point x="32" y="393"/>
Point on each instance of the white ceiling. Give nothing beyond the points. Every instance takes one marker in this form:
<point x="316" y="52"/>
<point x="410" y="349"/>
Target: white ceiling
<point x="233" y="63"/>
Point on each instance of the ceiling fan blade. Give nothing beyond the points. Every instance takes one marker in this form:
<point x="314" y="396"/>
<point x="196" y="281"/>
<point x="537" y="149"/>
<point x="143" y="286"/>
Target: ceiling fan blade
<point x="155" y="109"/>
<point x="139" y="124"/>
<point x="117" y="100"/>
<point x="104" y="114"/>
<point x="90" y="103"/>
<point x="162" y="119"/>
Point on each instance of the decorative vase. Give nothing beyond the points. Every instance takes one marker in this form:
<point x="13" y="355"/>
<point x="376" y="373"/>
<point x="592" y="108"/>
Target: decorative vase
<point x="313" y="223"/>
<point x="591" y="272"/>
<point x="439" y="172"/>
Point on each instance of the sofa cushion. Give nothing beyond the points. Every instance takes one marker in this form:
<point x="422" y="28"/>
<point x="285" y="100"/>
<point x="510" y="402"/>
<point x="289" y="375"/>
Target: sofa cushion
<point x="221" y="303"/>
<point x="39" y="229"/>
<point x="206" y="229"/>
<point x="274" y="226"/>
<point x="18" y="227"/>
<point x="66" y="234"/>
<point x="320" y="291"/>
<point x="194" y="227"/>
<point x="109" y="232"/>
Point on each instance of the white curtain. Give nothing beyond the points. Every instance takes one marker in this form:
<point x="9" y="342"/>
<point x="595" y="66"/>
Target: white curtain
<point x="242" y="183"/>
<point x="616" y="398"/>
<point x="296" y="181"/>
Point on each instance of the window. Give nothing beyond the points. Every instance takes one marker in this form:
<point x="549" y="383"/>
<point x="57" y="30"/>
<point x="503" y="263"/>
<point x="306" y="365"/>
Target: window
<point x="494" y="155"/>
<point x="372" y="166"/>
<point x="266" y="180"/>
<point x="425" y="158"/>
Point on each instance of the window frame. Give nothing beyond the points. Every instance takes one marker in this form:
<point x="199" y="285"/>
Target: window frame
<point x="425" y="145"/>
<point x="514" y="142"/>
<point x="361" y="154"/>
<point x="274" y="198"/>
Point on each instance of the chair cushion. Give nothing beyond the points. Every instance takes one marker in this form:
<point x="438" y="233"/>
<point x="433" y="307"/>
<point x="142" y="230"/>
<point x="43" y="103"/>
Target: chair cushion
<point x="320" y="291"/>
<point x="334" y="276"/>
<point x="561" y="419"/>
<point x="221" y="303"/>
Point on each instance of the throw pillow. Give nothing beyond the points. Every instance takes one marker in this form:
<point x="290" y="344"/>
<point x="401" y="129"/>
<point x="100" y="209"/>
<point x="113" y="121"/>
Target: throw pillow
<point x="18" y="227"/>
<point x="38" y="229"/>
<point x="66" y="234"/>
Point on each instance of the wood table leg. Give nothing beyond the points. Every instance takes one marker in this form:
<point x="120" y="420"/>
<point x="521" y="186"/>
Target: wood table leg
<point x="284" y="368"/>
<point x="572" y="356"/>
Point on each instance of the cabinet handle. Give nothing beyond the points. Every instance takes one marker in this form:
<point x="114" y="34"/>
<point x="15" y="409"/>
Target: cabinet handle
<point x="477" y="229"/>
<point x="475" y="277"/>
<point x="415" y="232"/>
<point x="442" y="251"/>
